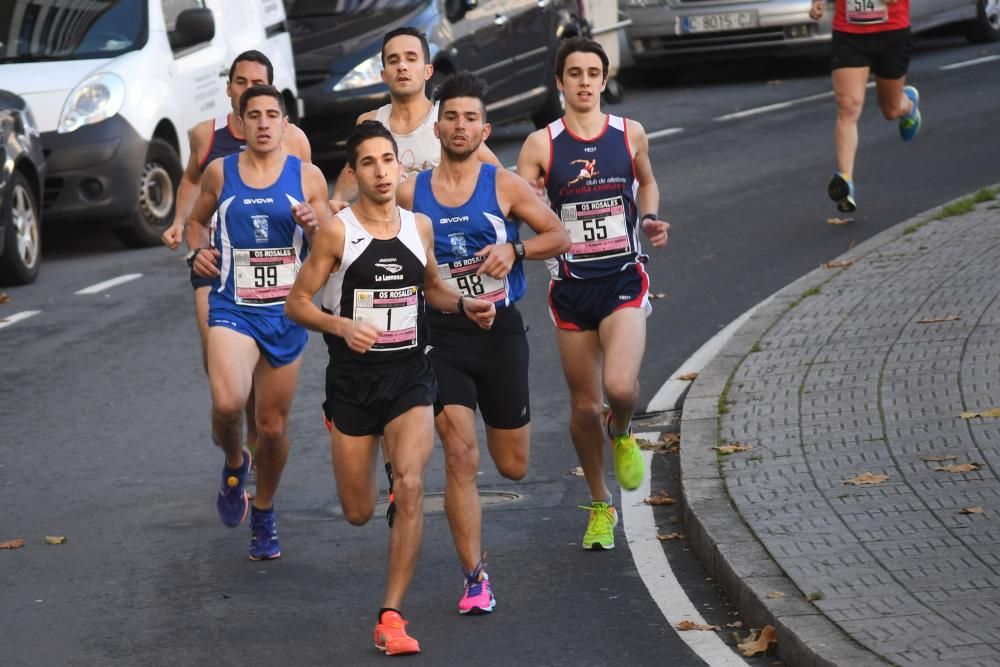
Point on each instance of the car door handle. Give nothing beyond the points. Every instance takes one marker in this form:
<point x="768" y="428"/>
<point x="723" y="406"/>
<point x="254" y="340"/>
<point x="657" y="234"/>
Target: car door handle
<point x="500" y="20"/>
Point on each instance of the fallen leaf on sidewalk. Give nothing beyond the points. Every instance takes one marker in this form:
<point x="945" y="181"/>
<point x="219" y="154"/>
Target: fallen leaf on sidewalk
<point x="691" y="625"/>
<point x="753" y="646"/>
<point x="4" y="298"/>
<point x="866" y="478"/>
<point x="992" y="412"/>
<point x="735" y="624"/>
<point x="942" y="457"/>
<point x="730" y="449"/>
<point x="657" y="295"/>
<point x="971" y="510"/>
<point x="16" y="543"/>
<point x="961" y="467"/>
<point x="668" y="537"/>
<point x="838" y="264"/>
<point x="666" y="441"/>
<point x="578" y="471"/>
<point x="839" y="221"/>
<point x="774" y="595"/>
<point x="935" y="320"/>
<point x="55" y="539"/>
<point x="687" y="377"/>
<point x="661" y="498"/>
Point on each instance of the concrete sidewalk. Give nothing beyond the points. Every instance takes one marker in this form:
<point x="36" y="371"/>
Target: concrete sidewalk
<point x="862" y="368"/>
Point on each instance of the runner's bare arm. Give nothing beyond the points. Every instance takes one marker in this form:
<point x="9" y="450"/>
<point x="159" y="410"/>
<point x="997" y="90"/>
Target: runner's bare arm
<point x="439" y="295"/>
<point x="488" y="156"/>
<point x="404" y="193"/>
<point x="187" y="190"/>
<point x="816" y="9"/>
<point x="345" y="189"/>
<point x="649" y="191"/>
<point x="533" y="161"/>
<point x="206" y="262"/>
<point x="312" y="212"/>
<point x="297" y="143"/>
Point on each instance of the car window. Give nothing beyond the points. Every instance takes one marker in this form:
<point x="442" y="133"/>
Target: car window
<point x="303" y="8"/>
<point x="172" y="8"/>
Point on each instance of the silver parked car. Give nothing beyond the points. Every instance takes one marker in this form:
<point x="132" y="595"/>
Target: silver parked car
<point x="727" y="27"/>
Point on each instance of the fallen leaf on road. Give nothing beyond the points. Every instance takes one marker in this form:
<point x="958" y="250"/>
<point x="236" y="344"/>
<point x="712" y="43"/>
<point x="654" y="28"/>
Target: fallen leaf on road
<point x="16" y="543"/>
<point x="753" y="646"/>
<point x="673" y="519"/>
<point x="992" y="412"/>
<point x="839" y="221"/>
<point x="578" y="471"/>
<point x="4" y="298"/>
<point x="838" y="264"/>
<point x="666" y="441"/>
<point x="943" y="457"/>
<point x="866" y="478"/>
<point x="657" y="295"/>
<point x="691" y="625"/>
<point x="962" y="467"/>
<point x="668" y="537"/>
<point x="735" y="624"/>
<point x="774" y="595"/>
<point x="729" y="449"/>
<point x="687" y="377"/>
<point x="661" y="498"/>
<point x="935" y="320"/>
<point x="971" y="510"/>
<point x="55" y="539"/>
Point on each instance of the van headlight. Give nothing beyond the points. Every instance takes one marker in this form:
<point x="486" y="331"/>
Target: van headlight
<point x="96" y="98"/>
<point x="364" y="74"/>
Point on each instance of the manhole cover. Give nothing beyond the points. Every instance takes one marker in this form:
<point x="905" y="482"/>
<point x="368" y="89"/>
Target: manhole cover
<point x="434" y="502"/>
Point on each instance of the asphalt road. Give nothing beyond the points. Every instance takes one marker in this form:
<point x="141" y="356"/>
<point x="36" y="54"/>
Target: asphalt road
<point x="104" y="411"/>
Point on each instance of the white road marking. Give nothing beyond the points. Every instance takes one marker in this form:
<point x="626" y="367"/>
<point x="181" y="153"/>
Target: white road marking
<point x="970" y="63"/>
<point x="654" y="568"/>
<point x="780" y="105"/>
<point x="17" y="317"/>
<point x="667" y="396"/>
<point x="664" y="133"/>
<point x="107" y="284"/>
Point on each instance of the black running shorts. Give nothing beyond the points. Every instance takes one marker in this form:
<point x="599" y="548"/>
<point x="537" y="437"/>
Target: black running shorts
<point x="886" y="53"/>
<point x="580" y="305"/>
<point x="484" y="368"/>
<point x="362" y="401"/>
<point x="200" y="281"/>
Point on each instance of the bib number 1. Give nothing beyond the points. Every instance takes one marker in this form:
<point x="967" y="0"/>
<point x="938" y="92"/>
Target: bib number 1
<point x="393" y="312"/>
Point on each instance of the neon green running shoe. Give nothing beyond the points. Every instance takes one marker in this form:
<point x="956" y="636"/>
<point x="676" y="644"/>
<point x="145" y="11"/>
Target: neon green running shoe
<point x="600" y="527"/>
<point x="629" y="467"/>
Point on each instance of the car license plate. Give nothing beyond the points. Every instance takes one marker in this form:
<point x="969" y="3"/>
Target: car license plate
<point x="719" y="22"/>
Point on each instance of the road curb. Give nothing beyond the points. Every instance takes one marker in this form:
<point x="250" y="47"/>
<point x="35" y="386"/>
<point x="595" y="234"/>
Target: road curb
<point x="726" y="546"/>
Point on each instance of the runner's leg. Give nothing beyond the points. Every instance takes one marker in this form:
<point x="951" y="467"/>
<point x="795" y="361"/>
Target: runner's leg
<point x="849" y="90"/>
<point x="456" y="427"/>
<point x="354" y="459"/>
<point x="509" y="448"/>
<point x="201" y="315"/>
<point x="891" y="100"/>
<point x="232" y="357"/>
<point x="623" y="339"/>
<point x="275" y="390"/>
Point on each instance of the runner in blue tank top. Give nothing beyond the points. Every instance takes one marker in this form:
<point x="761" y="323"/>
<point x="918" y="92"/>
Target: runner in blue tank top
<point x="253" y="262"/>
<point x="595" y="169"/>
<point x="479" y="252"/>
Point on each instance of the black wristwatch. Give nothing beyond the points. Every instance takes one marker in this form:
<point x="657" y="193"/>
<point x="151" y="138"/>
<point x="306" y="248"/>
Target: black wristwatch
<point x="189" y="258"/>
<point x="518" y="250"/>
<point x="650" y="216"/>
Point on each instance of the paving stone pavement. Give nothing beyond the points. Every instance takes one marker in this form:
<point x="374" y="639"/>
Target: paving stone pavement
<point x="861" y="369"/>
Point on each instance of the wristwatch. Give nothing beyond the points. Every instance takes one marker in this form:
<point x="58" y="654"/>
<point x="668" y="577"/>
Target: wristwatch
<point x="518" y="250"/>
<point x="650" y="216"/>
<point x="189" y="258"/>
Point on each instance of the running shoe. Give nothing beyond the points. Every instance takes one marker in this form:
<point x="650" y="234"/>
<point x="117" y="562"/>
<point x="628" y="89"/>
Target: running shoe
<point x="233" y="502"/>
<point x="909" y="125"/>
<point x="600" y="527"/>
<point x="478" y="597"/>
<point x="841" y="191"/>
<point x="629" y="467"/>
<point x="391" y="637"/>
<point x="264" y="535"/>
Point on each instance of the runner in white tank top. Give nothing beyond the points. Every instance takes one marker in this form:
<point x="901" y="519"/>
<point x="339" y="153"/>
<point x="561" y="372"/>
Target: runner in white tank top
<point x="420" y="149"/>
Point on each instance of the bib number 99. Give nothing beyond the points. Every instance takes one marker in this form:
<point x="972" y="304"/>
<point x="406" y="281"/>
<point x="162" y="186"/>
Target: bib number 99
<point x="265" y="276"/>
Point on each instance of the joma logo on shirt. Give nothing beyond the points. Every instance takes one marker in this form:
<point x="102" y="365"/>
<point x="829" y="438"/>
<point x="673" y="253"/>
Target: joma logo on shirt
<point x="258" y="200"/>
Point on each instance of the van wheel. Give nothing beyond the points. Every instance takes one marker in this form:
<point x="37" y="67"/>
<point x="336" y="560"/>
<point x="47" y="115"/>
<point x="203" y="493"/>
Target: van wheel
<point x="23" y="243"/>
<point x="986" y="26"/>
<point x="614" y="92"/>
<point x="157" y="197"/>
<point x="551" y="110"/>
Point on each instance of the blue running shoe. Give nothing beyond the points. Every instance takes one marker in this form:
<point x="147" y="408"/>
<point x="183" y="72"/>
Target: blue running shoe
<point x="264" y="535"/>
<point x="233" y="502"/>
<point x="841" y="191"/>
<point x="909" y="125"/>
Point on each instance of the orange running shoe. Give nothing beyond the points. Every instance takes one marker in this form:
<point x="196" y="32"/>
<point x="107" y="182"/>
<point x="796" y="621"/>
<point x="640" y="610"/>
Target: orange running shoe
<point x="391" y="637"/>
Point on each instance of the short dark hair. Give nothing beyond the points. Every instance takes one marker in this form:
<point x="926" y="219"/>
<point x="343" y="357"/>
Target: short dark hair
<point x="575" y="45"/>
<point x="461" y="84"/>
<point x="412" y="32"/>
<point x="363" y="131"/>
<point x="260" y="90"/>
<point x="253" y="56"/>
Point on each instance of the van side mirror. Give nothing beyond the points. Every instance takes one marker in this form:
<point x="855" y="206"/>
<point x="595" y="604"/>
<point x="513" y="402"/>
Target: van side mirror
<point x="455" y="10"/>
<point x="194" y="26"/>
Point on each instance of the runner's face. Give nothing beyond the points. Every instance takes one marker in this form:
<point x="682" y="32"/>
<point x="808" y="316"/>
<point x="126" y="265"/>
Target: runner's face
<point x="405" y="71"/>
<point x="461" y="128"/>
<point x="264" y="124"/>
<point x="246" y="74"/>
<point x="582" y="81"/>
<point x="377" y="170"/>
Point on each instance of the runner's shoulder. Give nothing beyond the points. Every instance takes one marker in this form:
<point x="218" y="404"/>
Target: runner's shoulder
<point x="368" y="115"/>
<point x="200" y="134"/>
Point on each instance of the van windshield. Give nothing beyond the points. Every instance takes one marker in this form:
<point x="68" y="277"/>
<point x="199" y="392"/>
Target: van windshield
<point x="303" y="8"/>
<point x="31" y="31"/>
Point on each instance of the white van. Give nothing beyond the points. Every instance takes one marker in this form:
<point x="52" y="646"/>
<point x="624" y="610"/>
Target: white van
<point x="115" y="86"/>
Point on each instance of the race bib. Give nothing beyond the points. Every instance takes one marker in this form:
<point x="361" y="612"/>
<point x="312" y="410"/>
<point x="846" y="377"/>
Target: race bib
<point x="391" y="311"/>
<point x="866" y="12"/>
<point x="597" y="229"/>
<point x="263" y="277"/>
<point x="462" y="276"/>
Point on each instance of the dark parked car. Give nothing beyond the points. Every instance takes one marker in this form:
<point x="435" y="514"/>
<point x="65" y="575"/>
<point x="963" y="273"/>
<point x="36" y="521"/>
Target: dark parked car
<point x="510" y="43"/>
<point x="21" y="175"/>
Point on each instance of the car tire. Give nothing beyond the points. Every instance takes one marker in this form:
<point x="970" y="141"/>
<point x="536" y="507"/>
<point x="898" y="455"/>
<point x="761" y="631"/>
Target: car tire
<point x="22" y="253"/>
<point x="986" y="26"/>
<point x="551" y="109"/>
<point x="157" y="197"/>
<point x="614" y="92"/>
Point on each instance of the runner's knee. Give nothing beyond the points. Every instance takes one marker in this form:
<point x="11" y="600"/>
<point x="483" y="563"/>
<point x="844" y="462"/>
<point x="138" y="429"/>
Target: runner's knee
<point x="357" y="514"/>
<point x="271" y="428"/>
<point x="849" y="107"/>
<point x="461" y="458"/>
<point x="891" y="110"/>
<point x="513" y="465"/>
<point x="227" y="411"/>
<point x="408" y="490"/>
<point x="586" y="412"/>
<point x="621" y="392"/>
